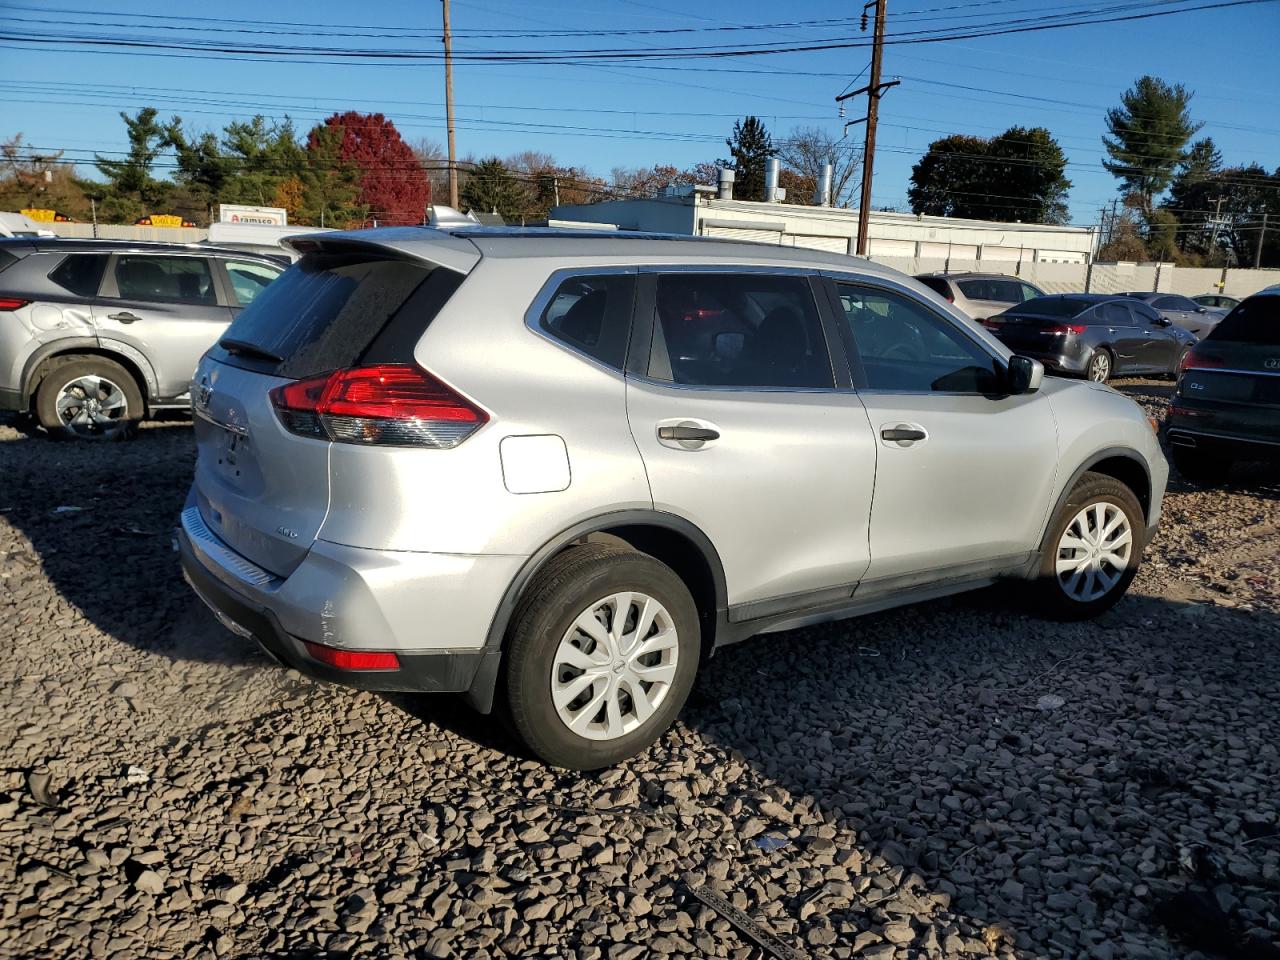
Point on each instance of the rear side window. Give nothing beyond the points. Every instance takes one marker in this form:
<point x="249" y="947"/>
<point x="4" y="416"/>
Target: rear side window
<point x="739" y="330"/>
<point x="80" y="273"/>
<point x="1029" y="292"/>
<point x="249" y="278"/>
<point x="592" y="314"/>
<point x="182" y="279"/>
<point x="1256" y="320"/>
<point x="330" y="311"/>
<point x="937" y="285"/>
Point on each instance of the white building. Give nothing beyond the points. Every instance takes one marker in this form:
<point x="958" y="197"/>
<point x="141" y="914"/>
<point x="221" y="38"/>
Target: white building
<point x="977" y="244"/>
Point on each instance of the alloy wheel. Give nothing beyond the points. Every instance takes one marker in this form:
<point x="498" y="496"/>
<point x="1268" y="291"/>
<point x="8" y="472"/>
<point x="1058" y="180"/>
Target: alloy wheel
<point x="92" y="406"/>
<point x="1100" y="367"/>
<point x="1094" y="551"/>
<point x="614" y="666"/>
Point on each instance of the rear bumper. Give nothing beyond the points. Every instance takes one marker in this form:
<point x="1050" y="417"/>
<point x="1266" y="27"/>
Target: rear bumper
<point x="1242" y="448"/>
<point x="432" y="612"/>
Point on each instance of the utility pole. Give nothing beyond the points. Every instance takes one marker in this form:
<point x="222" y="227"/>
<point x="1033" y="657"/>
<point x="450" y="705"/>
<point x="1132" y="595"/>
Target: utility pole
<point x="1217" y="220"/>
<point x="448" y="107"/>
<point x="873" y="90"/>
<point x="1262" y="232"/>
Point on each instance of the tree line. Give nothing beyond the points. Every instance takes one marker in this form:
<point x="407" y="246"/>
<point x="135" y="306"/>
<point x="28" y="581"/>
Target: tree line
<point x="1177" y="200"/>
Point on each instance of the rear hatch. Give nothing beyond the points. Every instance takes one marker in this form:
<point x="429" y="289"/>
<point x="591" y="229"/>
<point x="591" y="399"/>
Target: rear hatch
<point x="262" y="487"/>
<point x="1231" y="380"/>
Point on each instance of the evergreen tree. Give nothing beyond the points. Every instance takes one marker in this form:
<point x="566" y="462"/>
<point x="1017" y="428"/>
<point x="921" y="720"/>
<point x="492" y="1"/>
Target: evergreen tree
<point x="1149" y="134"/>
<point x="1191" y="197"/>
<point x="131" y="190"/>
<point x="751" y="147"/>
<point x="490" y="188"/>
<point x="330" y="184"/>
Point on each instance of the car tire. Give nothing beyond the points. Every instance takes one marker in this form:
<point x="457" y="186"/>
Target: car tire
<point x="112" y="403"/>
<point x="547" y="649"/>
<point x="1202" y="466"/>
<point x="1082" y="574"/>
<point x="1100" y="366"/>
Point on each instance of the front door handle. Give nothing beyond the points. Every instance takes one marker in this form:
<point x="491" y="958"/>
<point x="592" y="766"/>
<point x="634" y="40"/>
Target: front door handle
<point x="902" y="434"/>
<point x="687" y="434"/>
<point x="124" y="317"/>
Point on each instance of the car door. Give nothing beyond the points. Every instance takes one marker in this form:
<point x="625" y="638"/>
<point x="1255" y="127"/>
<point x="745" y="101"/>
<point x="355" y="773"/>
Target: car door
<point x="1160" y="345"/>
<point x="965" y="470"/>
<point x="746" y="432"/>
<point x="166" y="307"/>
<point x="1123" y="335"/>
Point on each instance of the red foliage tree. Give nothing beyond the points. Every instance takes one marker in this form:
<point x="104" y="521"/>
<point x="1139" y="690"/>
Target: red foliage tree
<point x="393" y="184"/>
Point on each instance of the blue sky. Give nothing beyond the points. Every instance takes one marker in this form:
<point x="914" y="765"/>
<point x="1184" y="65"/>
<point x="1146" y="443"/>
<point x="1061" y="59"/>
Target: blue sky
<point x="601" y="116"/>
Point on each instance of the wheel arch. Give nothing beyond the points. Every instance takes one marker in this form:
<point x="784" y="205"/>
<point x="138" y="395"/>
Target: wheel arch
<point x="1120" y="463"/>
<point x="667" y="537"/>
<point x="41" y="364"/>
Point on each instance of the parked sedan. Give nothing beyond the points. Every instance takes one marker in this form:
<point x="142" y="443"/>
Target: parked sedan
<point x="1182" y="311"/>
<point x="1219" y="301"/>
<point x="1227" y="403"/>
<point x="1093" y="335"/>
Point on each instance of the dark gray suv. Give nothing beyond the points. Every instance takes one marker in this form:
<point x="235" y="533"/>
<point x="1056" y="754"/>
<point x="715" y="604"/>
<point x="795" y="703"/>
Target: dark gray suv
<point x="1095" y="335"/>
<point x="94" y="334"/>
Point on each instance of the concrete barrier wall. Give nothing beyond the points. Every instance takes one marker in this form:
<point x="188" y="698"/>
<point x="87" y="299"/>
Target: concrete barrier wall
<point x="115" y="231"/>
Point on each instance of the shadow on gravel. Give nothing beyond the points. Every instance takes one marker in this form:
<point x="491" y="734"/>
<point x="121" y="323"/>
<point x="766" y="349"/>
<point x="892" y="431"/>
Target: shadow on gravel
<point x="1092" y="786"/>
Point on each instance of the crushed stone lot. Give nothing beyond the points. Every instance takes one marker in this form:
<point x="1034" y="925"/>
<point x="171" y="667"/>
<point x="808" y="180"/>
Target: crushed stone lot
<point x="956" y="779"/>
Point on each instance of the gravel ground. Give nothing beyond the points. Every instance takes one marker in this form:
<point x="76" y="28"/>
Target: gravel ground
<point x="956" y="779"/>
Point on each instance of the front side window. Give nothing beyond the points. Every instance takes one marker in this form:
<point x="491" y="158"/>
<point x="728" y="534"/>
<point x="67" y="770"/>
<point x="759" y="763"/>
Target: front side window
<point x="592" y="314"/>
<point x="738" y="330"/>
<point x="80" y="273"/>
<point x="905" y="346"/>
<point x="249" y="278"/>
<point x="185" y="279"/>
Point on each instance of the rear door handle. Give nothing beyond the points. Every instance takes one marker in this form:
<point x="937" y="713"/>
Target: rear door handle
<point x="687" y="434"/>
<point x="124" y="317"/>
<point x="902" y="434"/>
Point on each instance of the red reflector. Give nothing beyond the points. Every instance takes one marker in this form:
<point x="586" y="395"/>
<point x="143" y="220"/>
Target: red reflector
<point x="12" y="303"/>
<point x="392" y="403"/>
<point x="353" y="659"/>
<point x="1175" y="411"/>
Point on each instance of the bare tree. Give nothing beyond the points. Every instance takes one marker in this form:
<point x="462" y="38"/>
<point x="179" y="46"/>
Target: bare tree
<point x="806" y="150"/>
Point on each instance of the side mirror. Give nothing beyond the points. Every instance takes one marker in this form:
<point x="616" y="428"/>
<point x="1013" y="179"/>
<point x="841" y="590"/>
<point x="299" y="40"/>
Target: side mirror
<point x="1202" y="310"/>
<point x="1024" y="375"/>
<point x="1162" y="321"/>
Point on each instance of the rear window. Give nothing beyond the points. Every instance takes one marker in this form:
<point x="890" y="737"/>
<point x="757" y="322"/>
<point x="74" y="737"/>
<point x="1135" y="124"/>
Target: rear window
<point x="1256" y="320"/>
<point x="1054" y="307"/>
<point x="80" y="273"/>
<point x="937" y="285"/>
<point x="330" y="311"/>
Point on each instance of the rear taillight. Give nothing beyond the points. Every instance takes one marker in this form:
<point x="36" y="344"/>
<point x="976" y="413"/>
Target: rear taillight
<point x="992" y="323"/>
<point x="12" y="303"/>
<point x="1066" y="329"/>
<point x="1199" y="361"/>
<point x="390" y="404"/>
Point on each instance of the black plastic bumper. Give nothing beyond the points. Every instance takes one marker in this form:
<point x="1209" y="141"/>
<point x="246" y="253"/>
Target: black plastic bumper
<point x="1241" y="448"/>
<point x="449" y="671"/>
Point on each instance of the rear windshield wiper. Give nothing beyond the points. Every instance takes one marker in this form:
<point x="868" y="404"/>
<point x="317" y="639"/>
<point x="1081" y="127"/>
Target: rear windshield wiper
<point x="245" y="349"/>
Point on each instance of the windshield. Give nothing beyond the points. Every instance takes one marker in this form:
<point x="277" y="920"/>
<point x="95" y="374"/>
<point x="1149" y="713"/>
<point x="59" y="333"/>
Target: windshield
<point x="1256" y="320"/>
<point x="1053" y="307"/>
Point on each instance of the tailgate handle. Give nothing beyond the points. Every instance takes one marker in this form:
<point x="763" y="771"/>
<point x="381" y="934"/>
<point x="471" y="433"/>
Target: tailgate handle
<point x="124" y="317"/>
<point x="688" y="434"/>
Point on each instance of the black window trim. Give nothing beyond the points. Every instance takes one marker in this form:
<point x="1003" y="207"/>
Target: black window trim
<point x="643" y="326"/>
<point x="110" y="290"/>
<point x="547" y="292"/>
<point x="854" y="358"/>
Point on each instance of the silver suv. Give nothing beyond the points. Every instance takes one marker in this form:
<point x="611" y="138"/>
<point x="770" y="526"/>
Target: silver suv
<point x="96" y="333"/>
<point x="980" y="296"/>
<point x="558" y="470"/>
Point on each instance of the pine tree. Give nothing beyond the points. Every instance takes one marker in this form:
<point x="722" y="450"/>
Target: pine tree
<point x="1149" y="133"/>
<point x="490" y="188"/>
<point x="751" y="147"/>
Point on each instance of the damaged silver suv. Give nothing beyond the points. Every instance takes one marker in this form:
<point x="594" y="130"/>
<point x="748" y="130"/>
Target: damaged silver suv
<point x="95" y="334"/>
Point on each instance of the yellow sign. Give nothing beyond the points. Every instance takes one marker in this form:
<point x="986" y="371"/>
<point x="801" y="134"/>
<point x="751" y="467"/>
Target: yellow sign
<point x="165" y="220"/>
<point x="42" y="216"/>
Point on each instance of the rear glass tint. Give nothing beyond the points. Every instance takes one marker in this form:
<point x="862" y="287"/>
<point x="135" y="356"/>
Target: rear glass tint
<point x="937" y="285"/>
<point x="1256" y="320"/>
<point x="80" y="273"/>
<point x="327" y="310"/>
<point x="1054" y="307"/>
<point x="592" y="314"/>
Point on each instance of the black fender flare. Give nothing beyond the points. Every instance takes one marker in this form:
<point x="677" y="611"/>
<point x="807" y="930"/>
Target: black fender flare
<point x="481" y="692"/>
<point x="1095" y="458"/>
<point x="96" y="347"/>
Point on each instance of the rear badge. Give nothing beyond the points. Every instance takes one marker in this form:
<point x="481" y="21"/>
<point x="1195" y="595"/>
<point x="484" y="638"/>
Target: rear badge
<point x="1272" y="364"/>
<point x="286" y="532"/>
